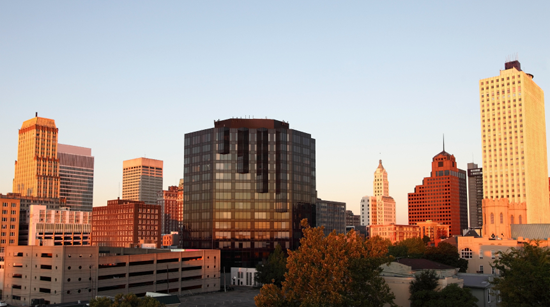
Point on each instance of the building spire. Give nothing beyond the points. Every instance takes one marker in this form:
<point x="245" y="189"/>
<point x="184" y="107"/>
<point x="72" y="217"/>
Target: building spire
<point x="443" y="141"/>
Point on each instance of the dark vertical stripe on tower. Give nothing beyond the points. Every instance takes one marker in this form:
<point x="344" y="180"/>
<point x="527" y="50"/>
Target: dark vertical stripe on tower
<point x="243" y="151"/>
<point x="223" y="140"/>
<point x="262" y="155"/>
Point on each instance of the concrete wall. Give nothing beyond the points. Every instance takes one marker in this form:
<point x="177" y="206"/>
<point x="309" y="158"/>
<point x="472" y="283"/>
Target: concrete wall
<point x="61" y="274"/>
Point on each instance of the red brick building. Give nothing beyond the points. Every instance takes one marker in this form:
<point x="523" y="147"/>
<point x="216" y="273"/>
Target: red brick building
<point x="442" y="197"/>
<point x="172" y="213"/>
<point x="126" y="223"/>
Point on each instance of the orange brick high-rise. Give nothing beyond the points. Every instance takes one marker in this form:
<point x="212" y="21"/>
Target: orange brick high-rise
<point x="442" y="196"/>
<point x="37" y="165"/>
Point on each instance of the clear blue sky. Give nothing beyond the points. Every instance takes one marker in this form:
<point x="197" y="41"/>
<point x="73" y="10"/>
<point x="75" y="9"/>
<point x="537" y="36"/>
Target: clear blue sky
<point x="369" y="80"/>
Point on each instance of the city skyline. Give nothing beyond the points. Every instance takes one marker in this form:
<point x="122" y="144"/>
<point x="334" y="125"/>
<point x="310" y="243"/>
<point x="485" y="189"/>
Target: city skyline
<point x="157" y="75"/>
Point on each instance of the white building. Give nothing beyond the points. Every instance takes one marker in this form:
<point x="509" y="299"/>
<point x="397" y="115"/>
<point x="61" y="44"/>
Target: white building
<point x="380" y="208"/>
<point x="243" y="277"/>
<point x="49" y="227"/>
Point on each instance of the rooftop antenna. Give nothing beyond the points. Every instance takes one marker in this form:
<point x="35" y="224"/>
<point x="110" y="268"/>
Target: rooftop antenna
<point x="36" y="114"/>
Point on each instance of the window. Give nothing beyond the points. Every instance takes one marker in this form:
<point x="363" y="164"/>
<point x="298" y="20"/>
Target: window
<point x="492" y="218"/>
<point x="501" y="218"/>
<point x="480" y="269"/>
<point x="466" y="253"/>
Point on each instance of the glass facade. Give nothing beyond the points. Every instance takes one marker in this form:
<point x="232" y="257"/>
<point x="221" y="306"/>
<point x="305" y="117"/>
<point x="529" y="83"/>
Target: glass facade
<point x="248" y="183"/>
<point x="76" y="176"/>
<point x="331" y="215"/>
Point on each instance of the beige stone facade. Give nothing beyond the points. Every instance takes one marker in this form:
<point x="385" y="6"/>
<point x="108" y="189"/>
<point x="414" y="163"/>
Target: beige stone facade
<point x="513" y="127"/>
<point x="498" y="214"/>
<point x="142" y="180"/>
<point x="61" y="274"/>
<point x="37" y="165"/>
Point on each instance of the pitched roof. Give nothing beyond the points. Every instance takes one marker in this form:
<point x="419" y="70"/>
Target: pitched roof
<point x="444" y="153"/>
<point x="424" y="264"/>
<point x="472" y="233"/>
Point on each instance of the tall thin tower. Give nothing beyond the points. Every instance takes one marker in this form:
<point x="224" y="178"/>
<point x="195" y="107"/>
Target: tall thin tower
<point x="513" y="129"/>
<point x="37" y="165"/>
<point x="381" y="186"/>
<point x="380" y="208"/>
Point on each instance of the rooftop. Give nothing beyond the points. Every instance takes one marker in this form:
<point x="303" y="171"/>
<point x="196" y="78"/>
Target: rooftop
<point x="475" y="280"/>
<point x="424" y="264"/>
<point x="40" y="121"/>
<point x="251" y="123"/>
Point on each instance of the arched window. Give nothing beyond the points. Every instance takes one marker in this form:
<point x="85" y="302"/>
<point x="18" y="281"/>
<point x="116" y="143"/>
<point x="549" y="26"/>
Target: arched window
<point x="501" y="218"/>
<point x="520" y="220"/>
<point x="511" y="219"/>
<point x="492" y="218"/>
<point x="466" y="253"/>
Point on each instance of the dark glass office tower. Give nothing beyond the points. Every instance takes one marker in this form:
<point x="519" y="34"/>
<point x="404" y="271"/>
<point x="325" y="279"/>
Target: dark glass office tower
<point x="475" y="195"/>
<point x="248" y="183"/>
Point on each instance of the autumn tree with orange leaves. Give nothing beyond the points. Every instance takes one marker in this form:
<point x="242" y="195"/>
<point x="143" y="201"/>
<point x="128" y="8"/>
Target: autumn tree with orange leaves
<point x="336" y="270"/>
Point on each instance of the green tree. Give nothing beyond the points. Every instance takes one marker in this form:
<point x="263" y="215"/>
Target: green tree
<point x="334" y="270"/>
<point x="101" y="302"/>
<point x="453" y="295"/>
<point x="425" y="281"/>
<point x="125" y="300"/>
<point x="273" y="270"/>
<point x="424" y="294"/>
<point x="524" y="275"/>
<point x="415" y="248"/>
<point x="446" y="253"/>
<point x="397" y="251"/>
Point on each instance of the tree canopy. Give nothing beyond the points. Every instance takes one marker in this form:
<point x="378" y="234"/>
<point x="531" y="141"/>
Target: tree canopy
<point x="424" y="294"/>
<point x="447" y="254"/>
<point x="411" y="248"/>
<point x="524" y="275"/>
<point x="125" y="300"/>
<point x="336" y="270"/>
<point x="444" y="252"/>
<point x="273" y="270"/>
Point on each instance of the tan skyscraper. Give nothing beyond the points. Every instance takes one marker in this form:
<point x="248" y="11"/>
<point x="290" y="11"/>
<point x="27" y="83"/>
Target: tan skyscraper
<point x="142" y="180"/>
<point x="513" y="130"/>
<point x="380" y="208"/>
<point x="37" y="165"/>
